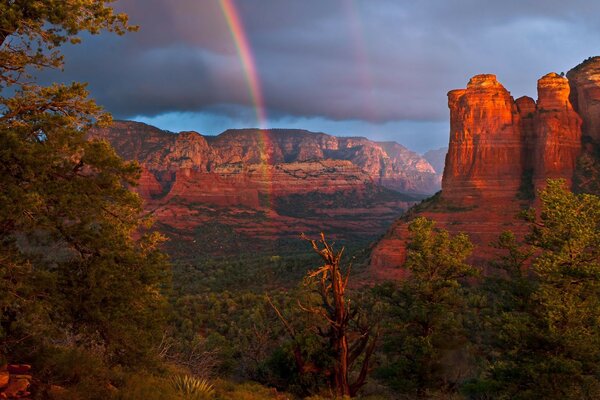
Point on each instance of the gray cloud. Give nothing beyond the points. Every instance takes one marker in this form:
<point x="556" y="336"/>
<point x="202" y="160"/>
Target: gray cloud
<point x="375" y="61"/>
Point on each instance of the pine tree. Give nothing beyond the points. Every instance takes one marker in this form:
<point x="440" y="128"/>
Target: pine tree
<point x="428" y="312"/>
<point x="545" y="331"/>
<point x="75" y="268"/>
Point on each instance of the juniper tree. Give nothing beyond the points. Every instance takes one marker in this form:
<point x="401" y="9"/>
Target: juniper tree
<point x="74" y="267"/>
<point x="427" y="312"/>
<point x="545" y="330"/>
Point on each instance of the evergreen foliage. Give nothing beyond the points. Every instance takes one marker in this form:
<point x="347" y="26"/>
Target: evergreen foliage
<point x="545" y="336"/>
<point x="426" y="337"/>
<point x="77" y="270"/>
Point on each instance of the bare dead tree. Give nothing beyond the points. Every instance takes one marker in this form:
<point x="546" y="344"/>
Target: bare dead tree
<point x="347" y="339"/>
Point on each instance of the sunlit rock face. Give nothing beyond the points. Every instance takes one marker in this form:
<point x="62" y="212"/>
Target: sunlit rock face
<point x="500" y="154"/>
<point x="584" y="80"/>
<point x="485" y="154"/>
<point x="163" y="154"/>
<point x="270" y="184"/>
<point x="557" y="132"/>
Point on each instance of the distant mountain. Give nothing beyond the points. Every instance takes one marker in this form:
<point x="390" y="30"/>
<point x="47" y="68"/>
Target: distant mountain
<point x="257" y="184"/>
<point x="501" y="153"/>
<point x="437" y="159"/>
<point x="387" y="163"/>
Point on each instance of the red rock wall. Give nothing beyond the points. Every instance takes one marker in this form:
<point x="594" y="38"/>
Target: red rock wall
<point x="485" y="151"/>
<point x="388" y="164"/>
<point x="499" y="150"/>
<point x="585" y="95"/>
<point x="557" y="135"/>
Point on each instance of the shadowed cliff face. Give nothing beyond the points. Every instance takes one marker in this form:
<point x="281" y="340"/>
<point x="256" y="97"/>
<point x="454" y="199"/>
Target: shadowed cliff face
<point x="500" y="154"/>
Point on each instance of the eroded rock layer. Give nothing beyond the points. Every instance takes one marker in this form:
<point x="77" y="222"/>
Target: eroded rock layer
<point x="269" y="184"/>
<point x="585" y="95"/>
<point x="485" y="152"/>
<point x="557" y="140"/>
<point x="387" y="163"/>
<point x="500" y="154"/>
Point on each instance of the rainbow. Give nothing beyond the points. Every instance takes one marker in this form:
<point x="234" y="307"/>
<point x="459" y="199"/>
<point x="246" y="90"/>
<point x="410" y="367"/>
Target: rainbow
<point x="244" y="51"/>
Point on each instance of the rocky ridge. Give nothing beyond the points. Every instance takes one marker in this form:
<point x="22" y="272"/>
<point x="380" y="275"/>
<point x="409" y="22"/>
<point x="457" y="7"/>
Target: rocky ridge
<point x="501" y="152"/>
<point x="248" y="184"/>
<point x="161" y="153"/>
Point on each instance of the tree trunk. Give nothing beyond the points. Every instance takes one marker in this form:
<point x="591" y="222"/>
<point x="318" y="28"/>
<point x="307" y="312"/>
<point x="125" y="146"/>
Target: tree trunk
<point x="341" y="367"/>
<point x="336" y="310"/>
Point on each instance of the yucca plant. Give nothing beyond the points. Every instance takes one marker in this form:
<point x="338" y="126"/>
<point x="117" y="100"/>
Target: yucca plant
<point x="192" y="388"/>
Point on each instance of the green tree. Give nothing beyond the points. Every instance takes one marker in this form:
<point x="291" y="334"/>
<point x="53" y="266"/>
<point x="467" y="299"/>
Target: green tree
<point x="426" y="336"/>
<point x="31" y="32"/>
<point x="76" y="269"/>
<point x="545" y="336"/>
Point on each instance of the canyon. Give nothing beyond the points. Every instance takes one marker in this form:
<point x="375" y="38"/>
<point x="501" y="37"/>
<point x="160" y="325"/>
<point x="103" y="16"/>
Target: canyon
<point x="501" y="153"/>
<point x="248" y="188"/>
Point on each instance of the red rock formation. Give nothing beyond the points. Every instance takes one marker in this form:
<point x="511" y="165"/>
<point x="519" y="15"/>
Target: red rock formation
<point x="163" y="153"/>
<point x="394" y="173"/>
<point x="485" y="152"/>
<point x="585" y="95"/>
<point x="266" y="184"/>
<point x="482" y="223"/>
<point x="15" y="381"/>
<point x="191" y="186"/>
<point x="500" y="152"/>
<point x="557" y="132"/>
<point x="148" y="186"/>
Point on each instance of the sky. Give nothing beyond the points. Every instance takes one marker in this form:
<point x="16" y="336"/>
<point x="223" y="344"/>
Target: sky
<point x="374" y="68"/>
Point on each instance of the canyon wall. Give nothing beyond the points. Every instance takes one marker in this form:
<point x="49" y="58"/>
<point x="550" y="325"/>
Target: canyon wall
<point x="501" y="152"/>
<point x="584" y="80"/>
<point x="485" y="152"/>
<point x="163" y="154"/>
<point x="246" y="185"/>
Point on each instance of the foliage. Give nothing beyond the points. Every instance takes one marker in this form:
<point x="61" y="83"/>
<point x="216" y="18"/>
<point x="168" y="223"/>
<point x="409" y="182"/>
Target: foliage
<point x="544" y="340"/>
<point x="193" y="388"/>
<point x="77" y="270"/>
<point x="31" y="31"/>
<point x="587" y="173"/>
<point x="303" y="205"/>
<point x="247" y="391"/>
<point x="349" y="339"/>
<point x="148" y="387"/>
<point x="426" y="338"/>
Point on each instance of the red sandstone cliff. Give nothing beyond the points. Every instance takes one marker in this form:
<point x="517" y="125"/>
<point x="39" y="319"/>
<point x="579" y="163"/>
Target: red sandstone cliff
<point x="162" y="153"/>
<point x="485" y="152"/>
<point x="557" y="140"/>
<point x="268" y="184"/>
<point x="500" y="152"/>
<point x="585" y="95"/>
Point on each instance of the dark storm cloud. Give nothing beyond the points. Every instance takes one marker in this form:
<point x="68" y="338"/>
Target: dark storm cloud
<point x="378" y="61"/>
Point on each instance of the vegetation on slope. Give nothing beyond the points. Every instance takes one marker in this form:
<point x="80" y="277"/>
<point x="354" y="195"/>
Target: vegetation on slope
<point x="85" y="293"/>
